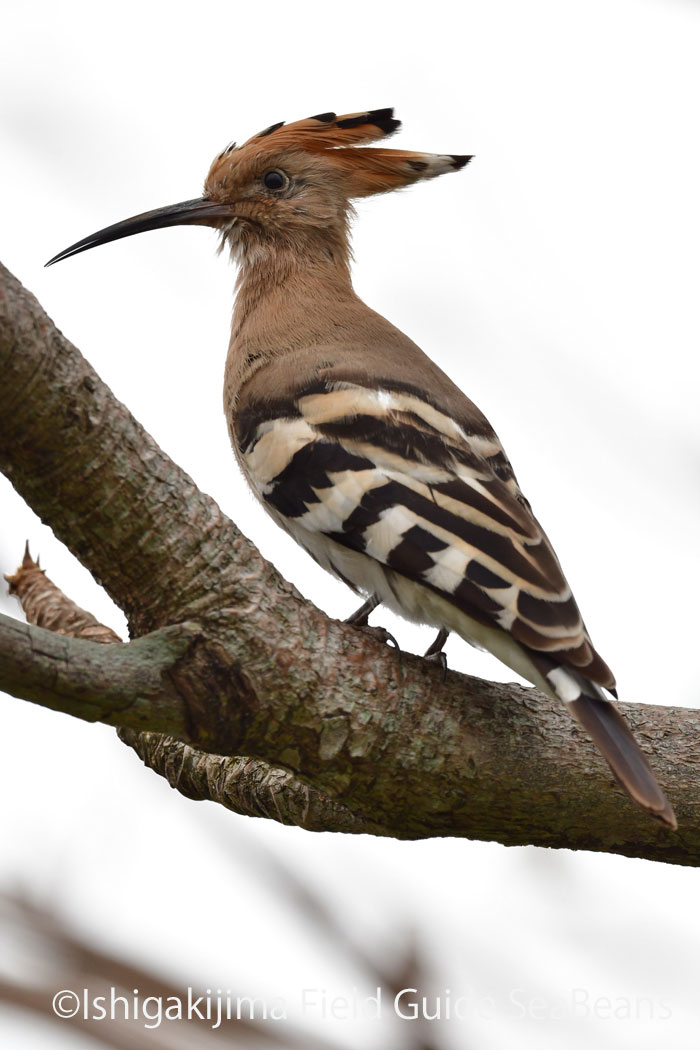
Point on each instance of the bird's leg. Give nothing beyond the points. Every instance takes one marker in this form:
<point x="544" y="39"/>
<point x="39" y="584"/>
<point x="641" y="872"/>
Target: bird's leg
<point x="360" y="619"/>
<point x="434" y="651"/>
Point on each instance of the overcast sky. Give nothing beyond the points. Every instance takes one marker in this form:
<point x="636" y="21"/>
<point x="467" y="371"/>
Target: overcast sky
<point x="555" y="279"/>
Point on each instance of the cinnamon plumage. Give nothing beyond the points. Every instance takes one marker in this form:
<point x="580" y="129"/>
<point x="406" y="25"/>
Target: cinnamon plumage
<point x="359" y="445"/>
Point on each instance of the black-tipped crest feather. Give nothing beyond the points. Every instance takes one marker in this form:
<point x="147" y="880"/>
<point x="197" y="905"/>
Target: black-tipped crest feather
<point x="382" y="118"/>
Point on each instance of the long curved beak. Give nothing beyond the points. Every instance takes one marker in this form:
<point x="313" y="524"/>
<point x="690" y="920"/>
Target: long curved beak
<point x="198" y="212"/>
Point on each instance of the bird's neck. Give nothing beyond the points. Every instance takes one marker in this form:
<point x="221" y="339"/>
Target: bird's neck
<point x="288" y="295"/>
<point x="277" y="276"/>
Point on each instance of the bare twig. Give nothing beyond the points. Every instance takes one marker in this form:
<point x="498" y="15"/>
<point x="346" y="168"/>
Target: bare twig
<point x="45" y="605"/>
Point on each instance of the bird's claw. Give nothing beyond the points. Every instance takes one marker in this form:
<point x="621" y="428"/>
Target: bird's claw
<point x="360" y="619"/>
<point x="434" y="652"/>
<point x="382" y="635"/>
<point x="438" y="658"/>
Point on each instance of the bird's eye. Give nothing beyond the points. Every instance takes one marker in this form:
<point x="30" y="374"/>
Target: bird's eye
<point x="275" y="180"/>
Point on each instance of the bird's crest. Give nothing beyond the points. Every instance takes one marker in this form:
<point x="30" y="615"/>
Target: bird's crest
<point x="341" y="141"/>
<point x="326" y="130"/>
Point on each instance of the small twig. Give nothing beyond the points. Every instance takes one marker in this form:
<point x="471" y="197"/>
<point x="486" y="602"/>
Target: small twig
<point x="45" y="604"/>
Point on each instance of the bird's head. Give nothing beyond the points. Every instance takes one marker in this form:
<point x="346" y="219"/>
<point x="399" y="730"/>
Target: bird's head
<point x="290" y="184"/>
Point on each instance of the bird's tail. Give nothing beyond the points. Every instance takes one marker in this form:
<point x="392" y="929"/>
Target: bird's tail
<point x="613" y="738"/>
<point x="610" y="733"/>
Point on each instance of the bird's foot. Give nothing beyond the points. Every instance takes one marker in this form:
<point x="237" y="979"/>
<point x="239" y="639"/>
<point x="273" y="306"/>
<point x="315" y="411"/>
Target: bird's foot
<point x="382" y="635"/>
<point x="434" y="652"/>
<point x="360" y="617"/>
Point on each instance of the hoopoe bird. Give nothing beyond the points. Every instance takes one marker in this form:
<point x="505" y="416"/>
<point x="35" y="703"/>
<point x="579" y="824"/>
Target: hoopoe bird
<point x="359" y="445"/>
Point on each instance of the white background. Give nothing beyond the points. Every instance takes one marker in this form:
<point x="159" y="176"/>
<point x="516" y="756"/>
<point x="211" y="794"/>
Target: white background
<point x="555" y="279"/>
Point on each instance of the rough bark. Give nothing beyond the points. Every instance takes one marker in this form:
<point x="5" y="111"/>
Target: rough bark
<point x="45" y="604"/>
<point x="244" y="785"/>
<point x="380" y="744"/>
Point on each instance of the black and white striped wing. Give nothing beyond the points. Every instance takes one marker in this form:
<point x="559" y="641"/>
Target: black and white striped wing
<point x="385" y="475"/>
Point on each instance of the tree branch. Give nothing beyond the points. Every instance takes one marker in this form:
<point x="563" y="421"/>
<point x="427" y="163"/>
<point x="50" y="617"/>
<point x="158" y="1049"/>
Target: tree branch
<point x="121" y="685"/>
<point x="267" y="675"/>
<point x="412" y="765"/>
<point x="250" y="787"/>
<point x="247" y="786"/>
<point x="83" y="463"/>
<point x="45" y="605"/>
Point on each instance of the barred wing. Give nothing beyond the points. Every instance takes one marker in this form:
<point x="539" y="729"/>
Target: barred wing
<point x="386" y="474"/>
